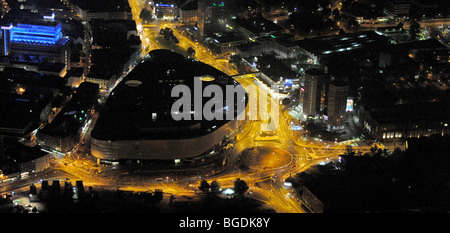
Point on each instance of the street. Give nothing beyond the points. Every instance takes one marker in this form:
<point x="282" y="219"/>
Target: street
<point x="298" y="154"/>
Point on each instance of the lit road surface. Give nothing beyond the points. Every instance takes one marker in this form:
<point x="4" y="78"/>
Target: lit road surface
<point x="423" y="23"/>
<point x="266" y="184"/>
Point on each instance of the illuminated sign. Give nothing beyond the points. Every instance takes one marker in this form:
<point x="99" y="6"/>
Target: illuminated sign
<point x="349" y="107"/>
<point x="7" y="28"/>
<point x="165" y="5"/>
<point x="51" y="17"/>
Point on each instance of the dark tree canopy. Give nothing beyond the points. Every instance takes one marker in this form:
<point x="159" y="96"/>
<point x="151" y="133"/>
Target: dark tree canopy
<point x="146" y="15"/>
<point x="240" y="187"/>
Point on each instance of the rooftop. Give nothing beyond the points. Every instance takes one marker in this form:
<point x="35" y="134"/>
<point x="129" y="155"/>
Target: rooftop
<point x="422" y="112"/>
<point x="247" y="46"/>
<point x="224" y="38"/>
<point x="30" y="78"/>
<point x="103" y="5"/>
<point x="25" y="17"/>
<point x="13" y="154"/>
<point x="258" y="25"/>
<point x="327" y="45"/>
<point x="189" y="5"/>
<point x="140" y="106"/>
<point x="429" y="44"/>
<point x="22" y="111"/>
<point x="75" y="72"/>
<point x="70" y="119"/>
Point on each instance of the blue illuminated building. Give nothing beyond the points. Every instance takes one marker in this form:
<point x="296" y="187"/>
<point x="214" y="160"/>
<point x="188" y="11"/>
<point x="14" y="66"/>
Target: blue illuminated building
<point x="32" y="29"/>
<point x="43" y="34"/>
<point x="29" y="38"/>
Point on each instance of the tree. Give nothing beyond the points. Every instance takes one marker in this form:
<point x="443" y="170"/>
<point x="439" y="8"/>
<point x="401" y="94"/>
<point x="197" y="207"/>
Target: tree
<point x="146" y="15"/>
<point x="204" y="186"/>
<point x="350" y="150"/>
<point x="286" y="101"/>
<point x="352" y="23"/>
<point x="157" y="196"/>
<point x="175" y="39"/>
<point x="373" y="149"/>
<point x="326" y="12"/>
<point x="414" y="30"/>
<point x="190" y="51"/>
<point x="336" y="14"/>
<point x="168" y="35"/>
<point x="240" y="187"/>
<point x="397" y="151"/>
<point x="347" y="4"/>
<point x="215" y="186"/>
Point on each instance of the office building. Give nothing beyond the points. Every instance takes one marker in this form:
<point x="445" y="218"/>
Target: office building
<point x="202" y="17"/>
<point x="64" y="132"/>
<point x="19" y="161"/>
<point x="189" y="12"/>
<point x="397" y="8"/>
<point x="166" y="10"/>
<point x="103" y="9"/>
<point x="315" y="92"/>
<point x="337" y="101"/>
<point x="30" y="39"/>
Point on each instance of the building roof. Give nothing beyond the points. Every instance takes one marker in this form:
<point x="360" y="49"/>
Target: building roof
<point x="314" y="72"/>
<point x="258" y="25"/>
<point x="103" y="5"/>
<point x="408" y="113"/>
<point x="69" y="120"/>
<point x="429" y="44"/>
<point x="75" y="72"/>
<point x="31" y="78"/>
<point x="247" y="46"/>
<point x="22" y="111"/>
<point x="38" y="20"/>
<point x="16" y="16"/>
<point x="224" y="38"/>
<point x="13" y="154"/>
<point x="328" y="45"/>
<point x="189" y="5"/>
<point x="140" y="106"/>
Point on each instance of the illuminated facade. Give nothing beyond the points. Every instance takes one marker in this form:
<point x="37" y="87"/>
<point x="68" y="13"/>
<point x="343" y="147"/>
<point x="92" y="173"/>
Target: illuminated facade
<point x="201" y="16"/>
<point x="167" y="11"/>
<point x="38" y="34"/>
<point x="337" y="102"/>
<point x="315" y="88"/>
<point x="33" y="39"/>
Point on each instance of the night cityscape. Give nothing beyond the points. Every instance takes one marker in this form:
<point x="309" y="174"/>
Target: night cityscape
<point x="224" y="107"/>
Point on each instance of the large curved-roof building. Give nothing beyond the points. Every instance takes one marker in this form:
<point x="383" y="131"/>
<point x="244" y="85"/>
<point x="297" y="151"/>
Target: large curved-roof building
<point x="137" y="122"/>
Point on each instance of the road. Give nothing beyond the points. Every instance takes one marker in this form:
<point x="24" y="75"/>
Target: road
<point x="266" y="183"/>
